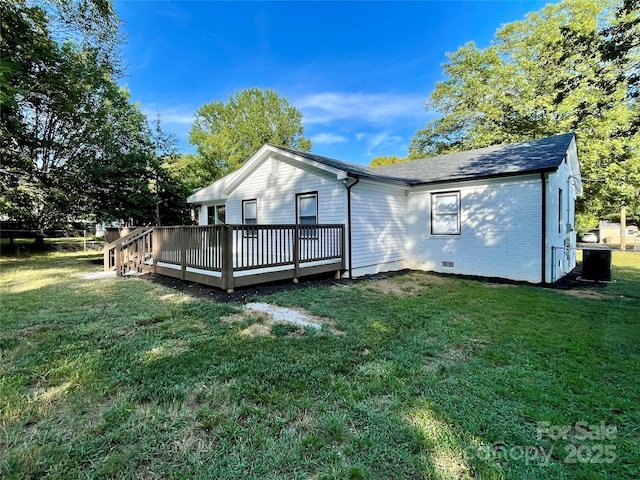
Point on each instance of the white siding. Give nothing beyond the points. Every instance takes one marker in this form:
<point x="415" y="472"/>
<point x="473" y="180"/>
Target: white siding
<point x="500" y="236"/>
<point x="379" y="227"/>
<point x="276" y="193"/>
<point x="561" y="234"/>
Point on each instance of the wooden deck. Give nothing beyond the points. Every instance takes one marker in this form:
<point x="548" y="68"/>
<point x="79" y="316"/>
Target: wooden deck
<point x="230" y="256"/>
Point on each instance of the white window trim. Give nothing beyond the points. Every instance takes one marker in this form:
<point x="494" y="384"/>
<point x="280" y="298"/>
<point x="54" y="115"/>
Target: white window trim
<point x="250" y="233"/>
<point x="309" y="233"/>
<point x="435" y="213"/>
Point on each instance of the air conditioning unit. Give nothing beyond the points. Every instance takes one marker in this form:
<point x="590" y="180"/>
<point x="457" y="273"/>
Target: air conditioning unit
<point x="596" y="264"/>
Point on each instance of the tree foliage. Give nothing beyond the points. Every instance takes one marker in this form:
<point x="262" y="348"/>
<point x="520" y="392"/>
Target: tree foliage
<point x="73" y="145"/>
<point x="227" y="134"/>
<point x="573" y="66"/>
<point x="390" y="160"/>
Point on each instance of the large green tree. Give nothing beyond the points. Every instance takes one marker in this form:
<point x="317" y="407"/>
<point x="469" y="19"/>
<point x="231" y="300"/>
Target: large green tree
<point x="73" y="145"/>
<point x="572" y="66"/>
<point x="227" y="134"/>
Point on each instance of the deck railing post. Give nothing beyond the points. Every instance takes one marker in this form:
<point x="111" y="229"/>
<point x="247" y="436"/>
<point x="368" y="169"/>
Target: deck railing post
<point x="342" y="248"/>
<point x="118" y="260"/>
<point x="107" y="256"/>
<point x="183" y="252"/>
<point x="154" y="248"/>
<point x="296" y="253"/>
<point x="226" y="244"/>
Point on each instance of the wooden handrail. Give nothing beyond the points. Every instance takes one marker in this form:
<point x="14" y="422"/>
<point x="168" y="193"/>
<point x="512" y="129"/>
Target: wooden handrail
<point x="226" y="255"/>
<point x="129" y="236"/>
<point x="117" y="255"/>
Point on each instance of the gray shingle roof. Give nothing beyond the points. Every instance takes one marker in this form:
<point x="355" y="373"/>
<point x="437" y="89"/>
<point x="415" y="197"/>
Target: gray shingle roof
<point x="532" y="156"/>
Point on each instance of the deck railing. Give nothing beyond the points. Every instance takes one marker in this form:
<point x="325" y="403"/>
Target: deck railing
<point x="129" y="253"/>
<point x="229" y="256"/>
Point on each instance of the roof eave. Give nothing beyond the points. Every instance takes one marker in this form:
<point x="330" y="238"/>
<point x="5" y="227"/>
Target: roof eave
<point x="487" y="176"/>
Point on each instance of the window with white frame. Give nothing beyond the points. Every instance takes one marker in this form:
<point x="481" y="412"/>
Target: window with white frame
<point x="560" y="209"/>
<point x="216" y="215"/>
<point x="307" y="212"/>
<point x="445" y="213"/>
<point x="250" y="216"/>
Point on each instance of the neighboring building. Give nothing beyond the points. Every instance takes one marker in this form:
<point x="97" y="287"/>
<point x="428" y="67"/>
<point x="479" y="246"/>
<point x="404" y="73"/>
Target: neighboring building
<point x="504" y="211"/>
<point x="610" y="233"/>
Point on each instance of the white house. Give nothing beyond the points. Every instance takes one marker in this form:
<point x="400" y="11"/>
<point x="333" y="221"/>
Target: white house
<point x="504" y="211"/>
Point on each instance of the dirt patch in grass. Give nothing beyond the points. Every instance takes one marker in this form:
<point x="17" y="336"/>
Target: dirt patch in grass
<point x="410" y="284"/>
<point x="257" y="330"/>
<point x="590" y="294"/>
<point x="263" y="325"/>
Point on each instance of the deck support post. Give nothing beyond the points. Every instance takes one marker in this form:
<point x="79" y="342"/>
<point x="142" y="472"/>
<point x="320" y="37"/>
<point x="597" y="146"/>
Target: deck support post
<point x="227" y="258"/>
<point x="183" y="253"/>
<point x="338" y="275"/>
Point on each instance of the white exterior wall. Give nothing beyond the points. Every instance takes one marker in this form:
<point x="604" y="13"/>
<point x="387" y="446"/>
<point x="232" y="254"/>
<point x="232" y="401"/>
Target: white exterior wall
<point x="276" y="193"/>
<point x="560" y="228"/>
<point x="501" y="228"/>
<point x="379" y="227"/>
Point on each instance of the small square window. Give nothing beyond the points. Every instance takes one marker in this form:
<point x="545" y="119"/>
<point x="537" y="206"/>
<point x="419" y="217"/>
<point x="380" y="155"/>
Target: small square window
<point x="445" y="213"/>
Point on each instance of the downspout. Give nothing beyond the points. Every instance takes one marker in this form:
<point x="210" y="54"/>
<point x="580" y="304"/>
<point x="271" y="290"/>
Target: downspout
<point x="350" y="183"/>
<point x="543" y="237"/>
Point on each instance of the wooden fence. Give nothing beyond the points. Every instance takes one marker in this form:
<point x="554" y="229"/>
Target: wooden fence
<point x="229" y="256"/>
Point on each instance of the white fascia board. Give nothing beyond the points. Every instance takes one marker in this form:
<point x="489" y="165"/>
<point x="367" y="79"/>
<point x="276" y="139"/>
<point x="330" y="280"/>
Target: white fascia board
<point x="340" y="174"/>
<point x="384" y="185"/>
<point x="220" y="189"/>
<point x="212" y="192"/>
<point x="268" y="151"/>
<point x="574" y="165"/>
<point x="473" y="182"/>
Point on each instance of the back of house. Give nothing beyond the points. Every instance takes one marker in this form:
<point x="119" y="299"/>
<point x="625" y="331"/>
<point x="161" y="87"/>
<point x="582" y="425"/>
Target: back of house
<point x="504" y="211"/>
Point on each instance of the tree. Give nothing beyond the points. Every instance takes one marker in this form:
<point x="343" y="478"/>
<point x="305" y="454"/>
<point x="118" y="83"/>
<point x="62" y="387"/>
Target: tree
<point x="572" y="66"/>
<point x="390" y="160"/>
<point x="72" y="143"/>
<point x="169" y="187"/>
<point x="51" y="92"/>
<point x="227" y="134"/>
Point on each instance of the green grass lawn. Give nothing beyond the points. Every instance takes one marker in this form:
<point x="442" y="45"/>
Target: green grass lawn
<point x="431" y="377"/>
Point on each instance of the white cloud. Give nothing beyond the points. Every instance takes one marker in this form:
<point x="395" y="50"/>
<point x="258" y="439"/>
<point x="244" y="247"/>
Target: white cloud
<point x="377" y="108"/>
<point x="378" y="141"/>
<point x="170" y="115"/>
<point x="328" y="138"/>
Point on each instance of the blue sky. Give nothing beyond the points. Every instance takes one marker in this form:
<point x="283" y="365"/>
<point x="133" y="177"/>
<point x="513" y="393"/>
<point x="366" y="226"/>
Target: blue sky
<point x="359" y="72"/>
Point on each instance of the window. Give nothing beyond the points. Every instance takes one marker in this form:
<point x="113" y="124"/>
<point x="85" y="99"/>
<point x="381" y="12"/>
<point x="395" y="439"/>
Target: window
<point x="307" y="209"/>
<point x="560" y="207"/>
<point x="216" y="215"/>
<point x="250" y="216"/>
<point x="445" y="213"/>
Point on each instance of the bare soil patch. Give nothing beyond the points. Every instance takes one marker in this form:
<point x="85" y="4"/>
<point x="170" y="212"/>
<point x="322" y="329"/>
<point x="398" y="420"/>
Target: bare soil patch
<point x="262" y="323"/>
<point x="410" y="284"/>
